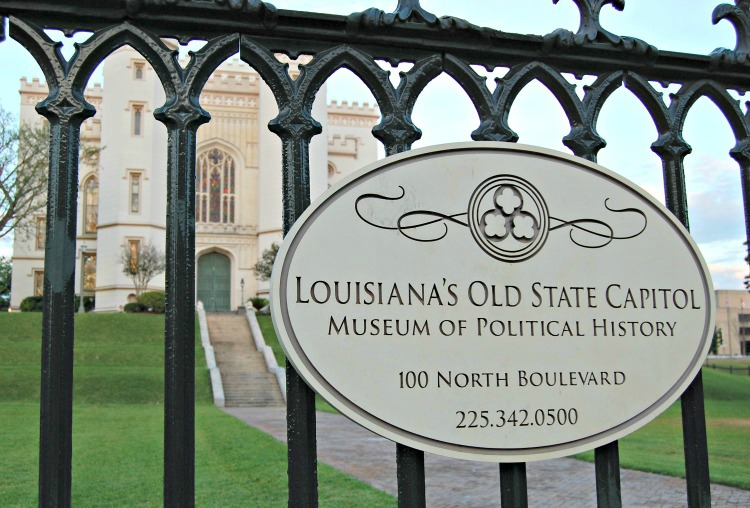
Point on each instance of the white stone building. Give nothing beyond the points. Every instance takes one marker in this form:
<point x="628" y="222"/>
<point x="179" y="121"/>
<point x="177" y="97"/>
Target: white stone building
<point x="733" y="319"/>
<point x="122" y="194"/>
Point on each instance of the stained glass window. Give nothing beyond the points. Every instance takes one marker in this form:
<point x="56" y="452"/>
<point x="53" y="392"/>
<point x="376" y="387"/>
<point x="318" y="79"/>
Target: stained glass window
<point x="135" y="192"/>
<point x="137" y="120"/>
<point x="214" y="200"/>
<point x="215" y="196"/>
<point x="89" y="272"/>
<point x="135" y="247"/>
<point x="41" y="232"/>
<point x="91" y="205"/>
<point x="38" y="282"/>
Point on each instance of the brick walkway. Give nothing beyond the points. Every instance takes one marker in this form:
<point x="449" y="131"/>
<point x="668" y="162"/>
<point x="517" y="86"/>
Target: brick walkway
<point x="460" y="483"/>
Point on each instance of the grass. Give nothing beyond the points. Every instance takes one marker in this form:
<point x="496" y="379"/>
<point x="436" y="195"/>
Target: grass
<point x="657" y="447"/>
<point x="118" y="425"/>
<point x="269" y="334"/>
<point x="739" y="366"/>
<point x="743" y="361"/>
<point x="118" y="419"/>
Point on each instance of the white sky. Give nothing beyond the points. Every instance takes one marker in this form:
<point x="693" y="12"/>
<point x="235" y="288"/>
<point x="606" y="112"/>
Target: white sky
<point x="445" y="114"/>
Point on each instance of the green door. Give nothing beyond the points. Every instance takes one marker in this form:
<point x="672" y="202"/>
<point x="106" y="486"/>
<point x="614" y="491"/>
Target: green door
<point x="213" y="281"/>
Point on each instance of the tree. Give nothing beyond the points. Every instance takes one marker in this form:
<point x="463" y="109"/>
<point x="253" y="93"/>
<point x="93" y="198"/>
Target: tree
<point x="716" y="341"/>
<point x="6" y="269"/>
<point x="142" y="262"/>
<point x="263" y="268"/>
<point x="23" y="171"/>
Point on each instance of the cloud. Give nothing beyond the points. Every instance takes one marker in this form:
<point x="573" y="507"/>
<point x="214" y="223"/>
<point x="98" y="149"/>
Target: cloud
<point x="728" y="276"/>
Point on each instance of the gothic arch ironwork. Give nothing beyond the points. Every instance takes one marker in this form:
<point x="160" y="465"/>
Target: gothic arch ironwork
<point x="435" y="45"/>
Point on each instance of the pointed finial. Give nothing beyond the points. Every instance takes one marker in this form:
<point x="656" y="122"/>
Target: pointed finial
<point x="591" y="30"/>
<point x="410" y="10"/>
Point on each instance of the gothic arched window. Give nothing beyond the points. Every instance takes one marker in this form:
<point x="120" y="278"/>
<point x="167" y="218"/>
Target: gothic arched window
<point x="214" y="195"/>
<point x="90" y="205"/>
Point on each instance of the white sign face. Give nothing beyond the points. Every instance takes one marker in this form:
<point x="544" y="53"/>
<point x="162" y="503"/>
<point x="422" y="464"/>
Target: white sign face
<point x="493" y="302"/>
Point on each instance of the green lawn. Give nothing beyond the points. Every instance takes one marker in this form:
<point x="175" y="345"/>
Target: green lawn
<point x="269" y="334"/>
<point x="736" y="366"/>
<point x="118" y="418"/>
<point x="658" y="446"/>
<point x="118" y="425"/>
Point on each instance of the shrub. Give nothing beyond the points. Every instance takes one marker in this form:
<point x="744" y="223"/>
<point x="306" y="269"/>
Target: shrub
<point x="32" y="304"/>
<point x="258" y="302"/>
<point x="155" y="301"/>
<point x="134" y="307"/>
<point x="35" y="303"/>
<point x="89" y="303"/>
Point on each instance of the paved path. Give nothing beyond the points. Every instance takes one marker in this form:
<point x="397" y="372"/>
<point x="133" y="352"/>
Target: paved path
<point x="459" y="483"/>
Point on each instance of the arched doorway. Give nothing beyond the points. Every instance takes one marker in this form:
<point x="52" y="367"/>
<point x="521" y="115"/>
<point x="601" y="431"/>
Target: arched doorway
<point x="214" y="274"/>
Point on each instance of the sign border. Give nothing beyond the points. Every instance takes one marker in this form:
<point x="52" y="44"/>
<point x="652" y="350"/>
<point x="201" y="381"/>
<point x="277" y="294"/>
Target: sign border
<point x="309" y="373"/>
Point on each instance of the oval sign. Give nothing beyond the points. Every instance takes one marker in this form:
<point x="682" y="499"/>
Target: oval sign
<point x="493" y="301"/>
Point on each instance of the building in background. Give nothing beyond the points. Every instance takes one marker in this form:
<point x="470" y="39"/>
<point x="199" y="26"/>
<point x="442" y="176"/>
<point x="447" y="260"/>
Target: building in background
<point x="733" y="319"/>
<point x="122" y="190"/>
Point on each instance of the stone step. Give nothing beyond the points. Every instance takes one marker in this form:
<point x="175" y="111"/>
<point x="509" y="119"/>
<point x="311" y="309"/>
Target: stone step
<point x="244" y="374"/>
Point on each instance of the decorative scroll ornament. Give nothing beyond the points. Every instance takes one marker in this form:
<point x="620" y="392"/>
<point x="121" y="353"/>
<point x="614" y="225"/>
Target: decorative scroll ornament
<point x="591" y="30"/>
<point x="407" y="11"/>
<point x="509" y="220"/>
<point x="739" y="16"/>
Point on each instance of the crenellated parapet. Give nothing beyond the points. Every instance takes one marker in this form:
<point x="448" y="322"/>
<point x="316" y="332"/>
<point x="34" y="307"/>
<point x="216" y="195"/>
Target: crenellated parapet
<point x="38" y="90"/>
<point x="343" y="145"/>
<point x="35" y="91"/>
<point x="233" y="85"/>
<point x="353" y="114"/>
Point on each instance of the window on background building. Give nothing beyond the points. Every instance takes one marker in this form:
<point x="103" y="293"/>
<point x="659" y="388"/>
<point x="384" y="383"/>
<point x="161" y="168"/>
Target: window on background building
<point x="135" y="247"/>
<point x="41" y="232"/>
<point x="90" y="205"/>
<point x="135" y="192"/>
<point x="137" y="120"/>
<point x="138" y="69"/>
<point x="215" y="196"/>
<point x="89" y="271"/>
<point x="744" y="318"/>
<point x="38" y="282"/>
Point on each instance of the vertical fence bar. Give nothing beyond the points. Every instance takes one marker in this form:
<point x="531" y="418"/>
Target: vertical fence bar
<point x="696" y="445"/>
<point x="409" y="461"/>
<point x="56" y="408"/>
<point x="513" y="491"/>
<point x="672" y="149"/>
<point x="65" y="110"/>
<point x="179" y="387"/>
<point x="410" y="475"/>
<point x="607" y="460"/>
<point x="301" y="424"/>
<point x="182" y="116"/>
<point x="586" y="143"/>
<point x="302" y="453"/>
<point x="295" y="127"/>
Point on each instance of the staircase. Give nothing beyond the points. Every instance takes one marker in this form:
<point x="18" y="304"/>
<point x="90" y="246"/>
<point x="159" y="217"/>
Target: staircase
<point x="244" y="375"/>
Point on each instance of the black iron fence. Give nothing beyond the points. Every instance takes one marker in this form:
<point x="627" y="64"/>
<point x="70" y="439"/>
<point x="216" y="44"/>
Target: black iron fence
<point x="742" y="370"/>
<point x="436" y="45"/>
